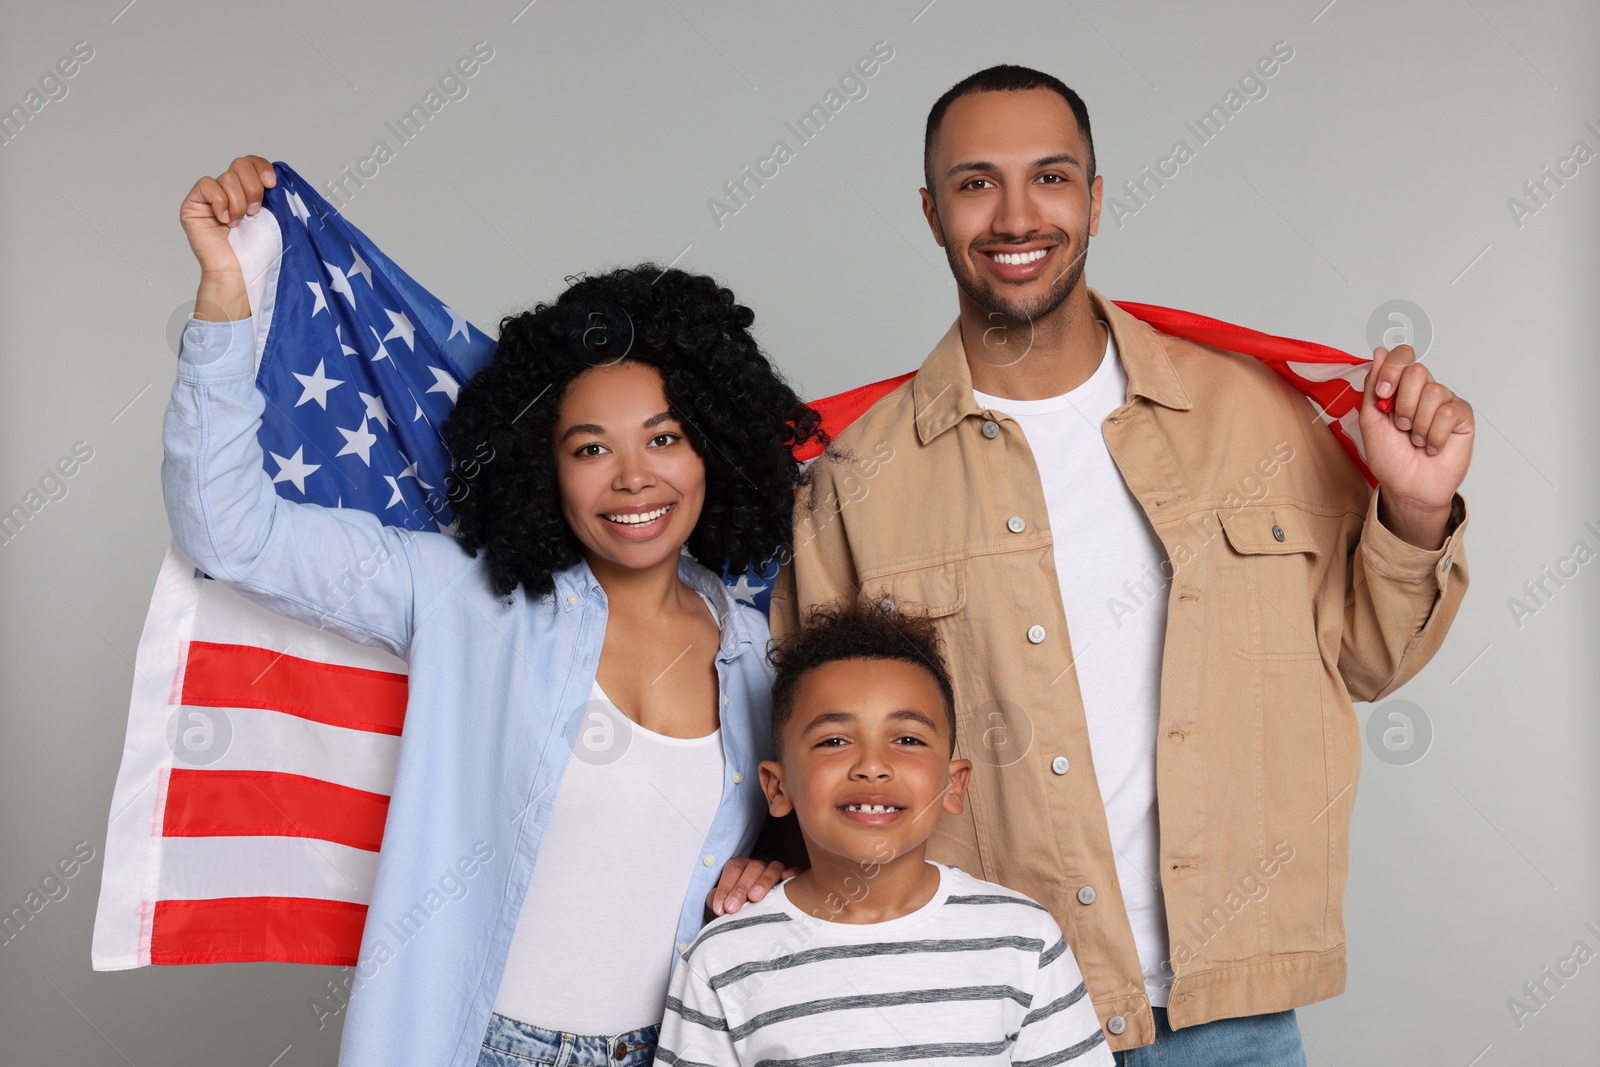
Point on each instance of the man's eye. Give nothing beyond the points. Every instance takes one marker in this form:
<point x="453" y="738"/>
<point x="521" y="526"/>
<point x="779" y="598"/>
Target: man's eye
<point x="1052" y="178"/>
<point x="973" y="184"/>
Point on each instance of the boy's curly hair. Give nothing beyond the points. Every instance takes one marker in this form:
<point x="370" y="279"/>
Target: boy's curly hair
<point x="737" y="412"/>
<point x="857" y="630"/>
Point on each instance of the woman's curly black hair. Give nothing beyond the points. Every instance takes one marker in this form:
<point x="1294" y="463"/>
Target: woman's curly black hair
<point x="736" y="410"/>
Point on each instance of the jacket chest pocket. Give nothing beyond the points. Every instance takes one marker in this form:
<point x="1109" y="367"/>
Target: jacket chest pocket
<point x="1268" y="574"/>
<point x="936" y="592"/>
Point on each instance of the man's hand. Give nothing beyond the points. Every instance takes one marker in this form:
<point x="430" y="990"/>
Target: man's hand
<point x="213" y="207"/>
<point x="1419" y="451"/>
<point x="745" y="879"/>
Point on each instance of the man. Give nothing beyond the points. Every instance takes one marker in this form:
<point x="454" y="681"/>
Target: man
<point x="1160" y="583"/>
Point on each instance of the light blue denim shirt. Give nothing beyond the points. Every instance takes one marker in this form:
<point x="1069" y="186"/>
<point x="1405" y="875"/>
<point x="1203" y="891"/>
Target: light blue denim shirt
<point x="497" y="692"/>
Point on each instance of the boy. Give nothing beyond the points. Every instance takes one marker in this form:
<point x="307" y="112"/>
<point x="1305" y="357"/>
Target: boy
<point x="874" y="954"/>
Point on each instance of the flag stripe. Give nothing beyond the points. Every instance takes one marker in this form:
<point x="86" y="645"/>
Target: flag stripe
<point x="261" y="740"/>
<point x="245" y="929"/>
<point x="209" y="868"/>
<point x="239" y="676"/>
<point x="205" y="803"/>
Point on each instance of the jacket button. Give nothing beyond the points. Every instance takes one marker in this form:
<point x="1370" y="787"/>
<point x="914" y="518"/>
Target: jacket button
<point x="886" y="604"/>
<point x="1016" y="524"/>
<point x="1061" y="765"/>
<point x="1444" y="564"/>
<point x="1036" y="634"/>
<point x="1086" y="895"/>
<point x="1116" y="1024"/>
<point x="991" y="429"/>
<point x="1277" y="533"/>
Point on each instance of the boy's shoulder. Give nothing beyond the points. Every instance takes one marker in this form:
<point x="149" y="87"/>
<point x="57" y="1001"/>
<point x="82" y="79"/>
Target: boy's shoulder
<point x="753" y="931"/>
<point x="1008" y="906"/>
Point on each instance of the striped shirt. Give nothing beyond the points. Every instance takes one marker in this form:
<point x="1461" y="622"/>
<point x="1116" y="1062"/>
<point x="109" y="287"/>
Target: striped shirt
<point x="978" y="975"/>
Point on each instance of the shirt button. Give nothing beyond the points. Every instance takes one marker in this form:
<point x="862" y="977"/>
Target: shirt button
<point x="1061" y="765"/>
<point x="1016" y="524"/>
<point x="572" y="598"/>
<point x="1277" y="533"/>
<point x="991" y="429"/>
<point x="1116" y="1024"/>
<point x="708" y="859"/>
<point x="1086" y="895"/>
<point x="682" y="948"/>
<point x="724" y="699"/>
<point x="738" y="778"/>
<point x="1036" y="634"/>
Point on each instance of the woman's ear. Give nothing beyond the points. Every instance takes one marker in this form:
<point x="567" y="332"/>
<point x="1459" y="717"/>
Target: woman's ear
<point x="778" y="802"/>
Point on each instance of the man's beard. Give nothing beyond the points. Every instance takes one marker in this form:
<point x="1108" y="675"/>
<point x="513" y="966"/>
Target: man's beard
<point x="991" y="299"/>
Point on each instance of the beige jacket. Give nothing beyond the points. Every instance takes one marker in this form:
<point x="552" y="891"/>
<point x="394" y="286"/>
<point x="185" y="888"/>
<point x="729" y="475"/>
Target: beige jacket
<point x="1288" y="600"/>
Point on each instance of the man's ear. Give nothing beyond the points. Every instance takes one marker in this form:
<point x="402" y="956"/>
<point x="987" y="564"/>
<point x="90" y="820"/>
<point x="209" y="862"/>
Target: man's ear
<point x="955" y="797"/>
<point x="778" y="802"/>
<point x="931" y="212"/>
<point x="1096" y="187"/>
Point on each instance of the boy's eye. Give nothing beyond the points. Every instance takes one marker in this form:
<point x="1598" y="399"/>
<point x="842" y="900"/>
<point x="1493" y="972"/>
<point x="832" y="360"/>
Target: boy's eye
<point x="832" y="742"/>
<point x="909" y="739"/>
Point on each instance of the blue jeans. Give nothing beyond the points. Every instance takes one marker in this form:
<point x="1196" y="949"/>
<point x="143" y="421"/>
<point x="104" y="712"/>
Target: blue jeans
<point x="510" y="1043"/>
<point x="1253" y="1041"/>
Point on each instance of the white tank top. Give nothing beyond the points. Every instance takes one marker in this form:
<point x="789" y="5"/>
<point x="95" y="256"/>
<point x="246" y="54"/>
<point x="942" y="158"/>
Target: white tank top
<point x="595" y="938"/>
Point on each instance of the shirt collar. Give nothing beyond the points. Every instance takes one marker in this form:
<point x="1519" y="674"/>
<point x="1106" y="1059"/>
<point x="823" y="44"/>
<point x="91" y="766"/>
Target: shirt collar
<point x="577" y="583"/>
<point x="942" y="390"/>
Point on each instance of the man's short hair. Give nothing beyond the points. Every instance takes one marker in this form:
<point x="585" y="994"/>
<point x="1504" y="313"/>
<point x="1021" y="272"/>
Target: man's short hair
<point x="1005" y="78"/>
<point x="863" y="631"/>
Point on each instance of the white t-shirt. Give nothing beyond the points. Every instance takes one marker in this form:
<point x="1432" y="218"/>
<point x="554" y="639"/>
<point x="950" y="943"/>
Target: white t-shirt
<point x="978" y="975"/>
<point x="1114" y="576"/>
<point x="596" y="935"/>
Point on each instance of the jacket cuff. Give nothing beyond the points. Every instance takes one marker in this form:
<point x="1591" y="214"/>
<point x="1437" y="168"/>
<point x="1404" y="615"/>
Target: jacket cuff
<point x="1388" y="555"/>
<point x="217" y="351"/>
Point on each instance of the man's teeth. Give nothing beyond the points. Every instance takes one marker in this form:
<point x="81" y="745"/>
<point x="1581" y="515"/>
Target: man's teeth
<point x="872" y="809"/>
<point x="1017" y="259"/>
<point x="640" y="518"/>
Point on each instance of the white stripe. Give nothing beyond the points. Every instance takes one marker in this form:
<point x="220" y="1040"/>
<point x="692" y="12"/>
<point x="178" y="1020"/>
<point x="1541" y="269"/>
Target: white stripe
<point x="227" y="618"/>
<point x="203" y="868"/>
<point x="273" y="741"/>
<point x="133" y="851"/>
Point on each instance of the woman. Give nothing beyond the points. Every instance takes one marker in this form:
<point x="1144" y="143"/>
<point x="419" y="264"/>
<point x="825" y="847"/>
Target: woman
<point x="622" y="437"/>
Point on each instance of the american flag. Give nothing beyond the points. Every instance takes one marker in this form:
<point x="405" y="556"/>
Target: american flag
<point x="260" y="753"/>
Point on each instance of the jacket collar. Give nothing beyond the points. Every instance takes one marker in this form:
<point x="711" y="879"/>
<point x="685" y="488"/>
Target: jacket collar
<point x="577" y="585"/>
<point x="942" y="390"/>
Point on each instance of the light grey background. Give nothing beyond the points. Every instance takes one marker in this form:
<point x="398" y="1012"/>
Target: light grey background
<point x="1378" y="167"/>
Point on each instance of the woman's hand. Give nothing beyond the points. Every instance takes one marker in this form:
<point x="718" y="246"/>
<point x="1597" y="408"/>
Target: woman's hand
<point x="213" y="207"/>
<point x="745" y="879"/>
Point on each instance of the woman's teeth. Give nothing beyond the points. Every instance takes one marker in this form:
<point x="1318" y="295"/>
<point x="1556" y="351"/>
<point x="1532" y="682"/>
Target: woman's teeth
<point x="640" y="518"/>
<point x="1017" y="259"/>
<point x="872" y="809"/>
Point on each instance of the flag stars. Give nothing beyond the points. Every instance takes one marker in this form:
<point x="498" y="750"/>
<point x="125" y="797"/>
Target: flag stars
<point x="340" y="284"/>
<point x="360" y="267"/>
<point x="358" y="442"/>
<point x="402" y="329"/>
<point x="294" y="469"/>
<point x="317" y="386"/>
<point x="399" y="497"/>
<point x="297" y="208"/>
<point x="443" y="383"/>
<point x="382" y="352"/>
<point x="411" y="472"/>
<point x="458" y="324"/>
<point x="322" y="301"/>
<point x="375" y="408"/>
<point x="338" y="331"/>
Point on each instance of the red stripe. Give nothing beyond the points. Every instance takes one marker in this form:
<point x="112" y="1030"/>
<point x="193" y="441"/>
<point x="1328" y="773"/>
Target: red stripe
<point x="250" y="929"/>
<point x="243" y="676"/>
<point x="204" y="803"/>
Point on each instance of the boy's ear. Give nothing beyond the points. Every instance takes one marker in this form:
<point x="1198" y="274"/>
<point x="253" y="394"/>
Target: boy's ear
<point x="955" y="797"/>
<point x="778" y="802"/>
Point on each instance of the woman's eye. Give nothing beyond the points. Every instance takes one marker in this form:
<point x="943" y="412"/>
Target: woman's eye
<point x="662" y="440"/>
<point x="590" y="450"/>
